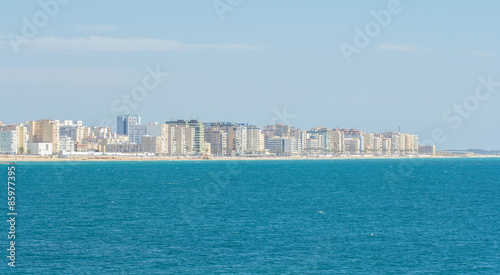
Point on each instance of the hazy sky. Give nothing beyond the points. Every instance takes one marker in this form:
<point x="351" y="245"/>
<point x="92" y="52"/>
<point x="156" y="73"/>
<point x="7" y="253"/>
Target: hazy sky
<point x="259" y="62"/>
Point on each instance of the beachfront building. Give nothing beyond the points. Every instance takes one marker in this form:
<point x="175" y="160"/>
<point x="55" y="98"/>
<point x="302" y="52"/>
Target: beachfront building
<point x="217" y="138"/>
<point x="369" y="143"/>
<point x="325" y="137"/>
<point x="301" y="137"/>
<point x="197" y="136"/>
<point x="282" y="146"/>
<point x="237" y="140"/>
<point x="353" y="135"/>
<point x="313" y="145"/>
<point x="9" y="142"/>
<point x="352" y="146"/>
<point x="377" y="144"/>
<point x="255" y="140"/>
<point x="429" y="150"/>
<point x="152" y="144"/>
<point x="337" y="140"/>
<point x="386" y="146"/>
<point x="185" y="137"/>
<point x="45" y="131"/>
<point x="66" y="145"/>
<point x="40" y="148"/>
<point x="21" y="131"/>
<point x="123" y="148"/>
<point x="279" y="146"/>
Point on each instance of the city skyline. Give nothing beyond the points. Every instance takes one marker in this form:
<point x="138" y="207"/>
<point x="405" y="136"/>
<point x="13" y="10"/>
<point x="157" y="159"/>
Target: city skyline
<point x="365" y="64"/>
<point x="198" y="138"/>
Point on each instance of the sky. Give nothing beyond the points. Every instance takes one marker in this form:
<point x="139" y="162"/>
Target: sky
<point x="426" y="67"/>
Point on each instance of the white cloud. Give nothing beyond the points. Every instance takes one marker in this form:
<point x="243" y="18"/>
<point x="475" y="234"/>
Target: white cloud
<point x="402" y="48"/>
<point x="99" y="43"/>
<point x="2" y="36"/>
<point x="97" y="28"/>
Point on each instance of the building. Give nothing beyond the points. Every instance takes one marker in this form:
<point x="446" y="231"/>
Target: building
<point x="152" y="144"/>
<point x="124" y="148"/>
<point x="427" y="150"/>
<point x="369" y="143"/>
<point x="45" y="131"/>
<point x="282" y="146"/>
<point x="352" y="146"/>
<point x="66" y="145"/>
<point x="136" y="132"/>
<point x="198" y="138"/>
<point x="338" y="141"/>
<point x="255" y="140"/>
<point x="377" y="144"/>
<point x="75" y="123"/>
<point x="279" y="146"/>
<point x="40" y="148"/>
<point x="184" y="137"/>
<point x="75" y="131"/>
<point x="102" y="132"/>
<point x="354" y="134"/>
<point x="325" y="137"/>
<point x="313" y="144"/>
<point x="386" y="146"/>
<point x="237" y="140"/>
<point x="9" y="142"/>
<point x="22" y="136"/>
<point x="124" y="122"/>
<point x="217" y="139"/>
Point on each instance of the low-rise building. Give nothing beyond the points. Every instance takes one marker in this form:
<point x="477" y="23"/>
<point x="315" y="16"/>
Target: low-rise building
<point x="429" y="150"/>
<point x="43" y="149"/>
<point x="152" y="144"/>
<point x="124" y="148"/>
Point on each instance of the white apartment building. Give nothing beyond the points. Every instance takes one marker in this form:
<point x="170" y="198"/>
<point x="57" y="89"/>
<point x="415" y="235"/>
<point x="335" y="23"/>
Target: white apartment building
<point x="255" y="140"/>
<point x="66" y="145"/>
<point x="9" y="142"/>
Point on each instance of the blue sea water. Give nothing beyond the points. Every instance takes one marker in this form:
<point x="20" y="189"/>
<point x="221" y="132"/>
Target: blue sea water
<point x="436" y="216"/>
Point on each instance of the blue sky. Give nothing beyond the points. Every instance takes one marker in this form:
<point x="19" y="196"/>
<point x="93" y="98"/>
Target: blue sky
<point x="266" y="61"/>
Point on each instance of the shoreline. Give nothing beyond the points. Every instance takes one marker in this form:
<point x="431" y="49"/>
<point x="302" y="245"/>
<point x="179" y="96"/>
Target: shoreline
<point x="9" y="159"/>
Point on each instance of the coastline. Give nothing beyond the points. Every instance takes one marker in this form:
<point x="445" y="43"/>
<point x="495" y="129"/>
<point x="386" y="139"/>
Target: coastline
<point x="9" y="159"/>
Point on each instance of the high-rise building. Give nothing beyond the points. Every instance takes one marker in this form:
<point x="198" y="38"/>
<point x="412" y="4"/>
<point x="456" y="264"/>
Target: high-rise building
<point x="352" y="145"/>
<point x="237" y="140"/>
<point x="199" y="136"/>
<point x="338" y="141"/>
<point x="217" y="138"/>
<point x="369" y="143"/>
<point x="124" y="122"/>
<point x="45" y="131"/>
<point x="255" y="140"/>
<point x="22" y="136"/>
<point x="325" y="137"/>
<point x="9" y="142"/>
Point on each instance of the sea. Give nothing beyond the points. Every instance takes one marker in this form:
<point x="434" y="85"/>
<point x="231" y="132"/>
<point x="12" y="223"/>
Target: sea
<point x="338" y="216"/>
